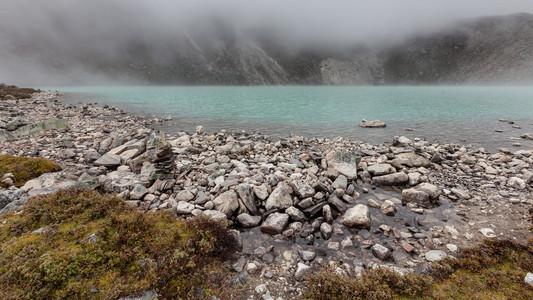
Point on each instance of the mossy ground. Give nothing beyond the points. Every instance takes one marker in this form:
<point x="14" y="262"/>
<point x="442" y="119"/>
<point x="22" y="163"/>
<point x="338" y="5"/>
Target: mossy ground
<point x="131" y="251"/>
<point x="25" y="168"/>
<point x="11" y="91"/>
<point x="493" y="270"/>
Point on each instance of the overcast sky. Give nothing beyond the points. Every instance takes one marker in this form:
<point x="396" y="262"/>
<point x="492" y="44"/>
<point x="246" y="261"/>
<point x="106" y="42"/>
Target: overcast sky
<point x="78" y="25"/>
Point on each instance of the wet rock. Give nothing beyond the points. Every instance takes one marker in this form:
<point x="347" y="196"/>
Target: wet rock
<point x="279" y="198"/>
<point x="247" y="220"/>
<point x="326" y="230"/>
<point x="381" y="252"/>
<point x="415" y="196"/>
<point x="227" y="202"/>
<point x="435" y="255"/>
<point x="388" y="208"/>
<point x="372" y="124"/>
<point x="275" y="223"/>
<point x="357" y="216"/>
<point x="381" y="169"/>
<point x="247" y="197"/>
<point x="398" y="178"/>
<point x="343" y="162"/>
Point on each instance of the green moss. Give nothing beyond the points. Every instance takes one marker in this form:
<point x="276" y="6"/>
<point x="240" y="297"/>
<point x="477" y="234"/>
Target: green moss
<point x="493" y="270"/>
<point x="11" y="91"/>
<point x="25" y="168"/>
<point x="132" y="251"/>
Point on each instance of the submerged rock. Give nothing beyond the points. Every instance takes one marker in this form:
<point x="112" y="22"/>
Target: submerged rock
<point x="372" y="124"/>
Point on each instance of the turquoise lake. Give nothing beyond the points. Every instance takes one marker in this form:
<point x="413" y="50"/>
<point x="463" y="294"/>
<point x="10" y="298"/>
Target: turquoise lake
<point x="459" y="114"/>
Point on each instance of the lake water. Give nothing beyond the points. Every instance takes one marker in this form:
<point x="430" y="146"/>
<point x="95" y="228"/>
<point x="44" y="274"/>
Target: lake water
<point x="467" y="115"/>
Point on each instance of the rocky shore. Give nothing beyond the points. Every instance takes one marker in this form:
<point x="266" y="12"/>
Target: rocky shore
<point x="298" y="204"/>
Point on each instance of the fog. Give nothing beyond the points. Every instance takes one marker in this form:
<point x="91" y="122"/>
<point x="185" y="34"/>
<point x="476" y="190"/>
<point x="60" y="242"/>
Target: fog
<point x="45" y="42"/>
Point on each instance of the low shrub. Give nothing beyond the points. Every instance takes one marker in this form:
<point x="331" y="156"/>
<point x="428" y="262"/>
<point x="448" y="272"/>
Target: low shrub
<point x="92" y="246"/>
<point x="11" y="91"/>
<point x="493" y="270"/>
<point x="25" y="168"/>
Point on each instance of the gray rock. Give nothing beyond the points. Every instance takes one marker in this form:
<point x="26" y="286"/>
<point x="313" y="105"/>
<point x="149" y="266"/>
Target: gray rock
<point x="529" y="277"/>
<point x="227" y="202"/>
<point x="200" y="130"/>
<point x="487" y="232"/>
<point x="138" y="192"/>
<point x="275" y="223"/>
<point x="41" y="126"/>
<point x="527" y="136"/>
<point x="343" y="162"/>
<point x="185" y="195"/>
<point x="381" y="252"/>
<point x="416" y="196"/>
<point x="398" y="178"/>
<point x="372" y="124"/>
<point x="184" y="208"/>
<point x="381" y="169"/>
<point x="119" y="181"/>
<point x="247" y="197"/>
<point x="306" y="255"/>
<point x="388" y="208"/>
<point x="108" y="160"/>
<point x="340" y="183"/>
<point x="302" y="189"/>
<point x="247" y="220"/>
<point x="147" y="295"/>
<point x="279" y="198"/>
<point x="435" y="255"/>
<point x="326" y="230"/>
<point x="432" y="190"/>
<point x="412" y="160"/>
<point x="516" y="183"/>
<point x="238" y="266"/>
<point x="295" y="214"/>
<point x="302" y="271"/>
<point x="460" y="193"/>
<point x="260" y="191"/>
<point x="357" y="216"/>
<point x="215" y="214"/>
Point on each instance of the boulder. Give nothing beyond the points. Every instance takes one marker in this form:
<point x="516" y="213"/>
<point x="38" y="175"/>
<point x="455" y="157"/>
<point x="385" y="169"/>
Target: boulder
<point x="280" y="198"/>
<point x="246" y="196"/>
<point x="343" y="162"/>
<point x="275" y="223"/>
<point x="357" y="216"/>
<point x="435" y="255"/>
<point x="302" y="189"/>
<point x="381" y="169"/>
<point x="516" y="183"/>
<point x="227" y="203"/>
<point x="381" y="252"/>
<point x="415" y="196"/>
<point x="119" y="181"/>
<point x="215" y="215"/>
<point x="340" y="183"/>
<point x="109" y="160"/>
<point x="412" y="160"/>
<point x="398" y="178"/>
<point x="247" y="220"/>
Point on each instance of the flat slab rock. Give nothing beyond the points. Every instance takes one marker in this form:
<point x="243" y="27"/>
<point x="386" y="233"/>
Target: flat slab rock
<point x="275" y="223"/>
<point x="372" y="124"/>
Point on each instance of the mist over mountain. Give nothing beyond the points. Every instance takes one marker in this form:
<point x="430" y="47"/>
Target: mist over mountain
<point x="265" y="42"/>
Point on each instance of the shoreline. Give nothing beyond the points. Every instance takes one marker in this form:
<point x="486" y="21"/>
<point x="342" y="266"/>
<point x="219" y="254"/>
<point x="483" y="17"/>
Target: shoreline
<point x="301" y="193"/>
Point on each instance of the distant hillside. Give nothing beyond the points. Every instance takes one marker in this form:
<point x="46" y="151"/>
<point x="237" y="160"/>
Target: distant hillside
<point x="490" y="50"/>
